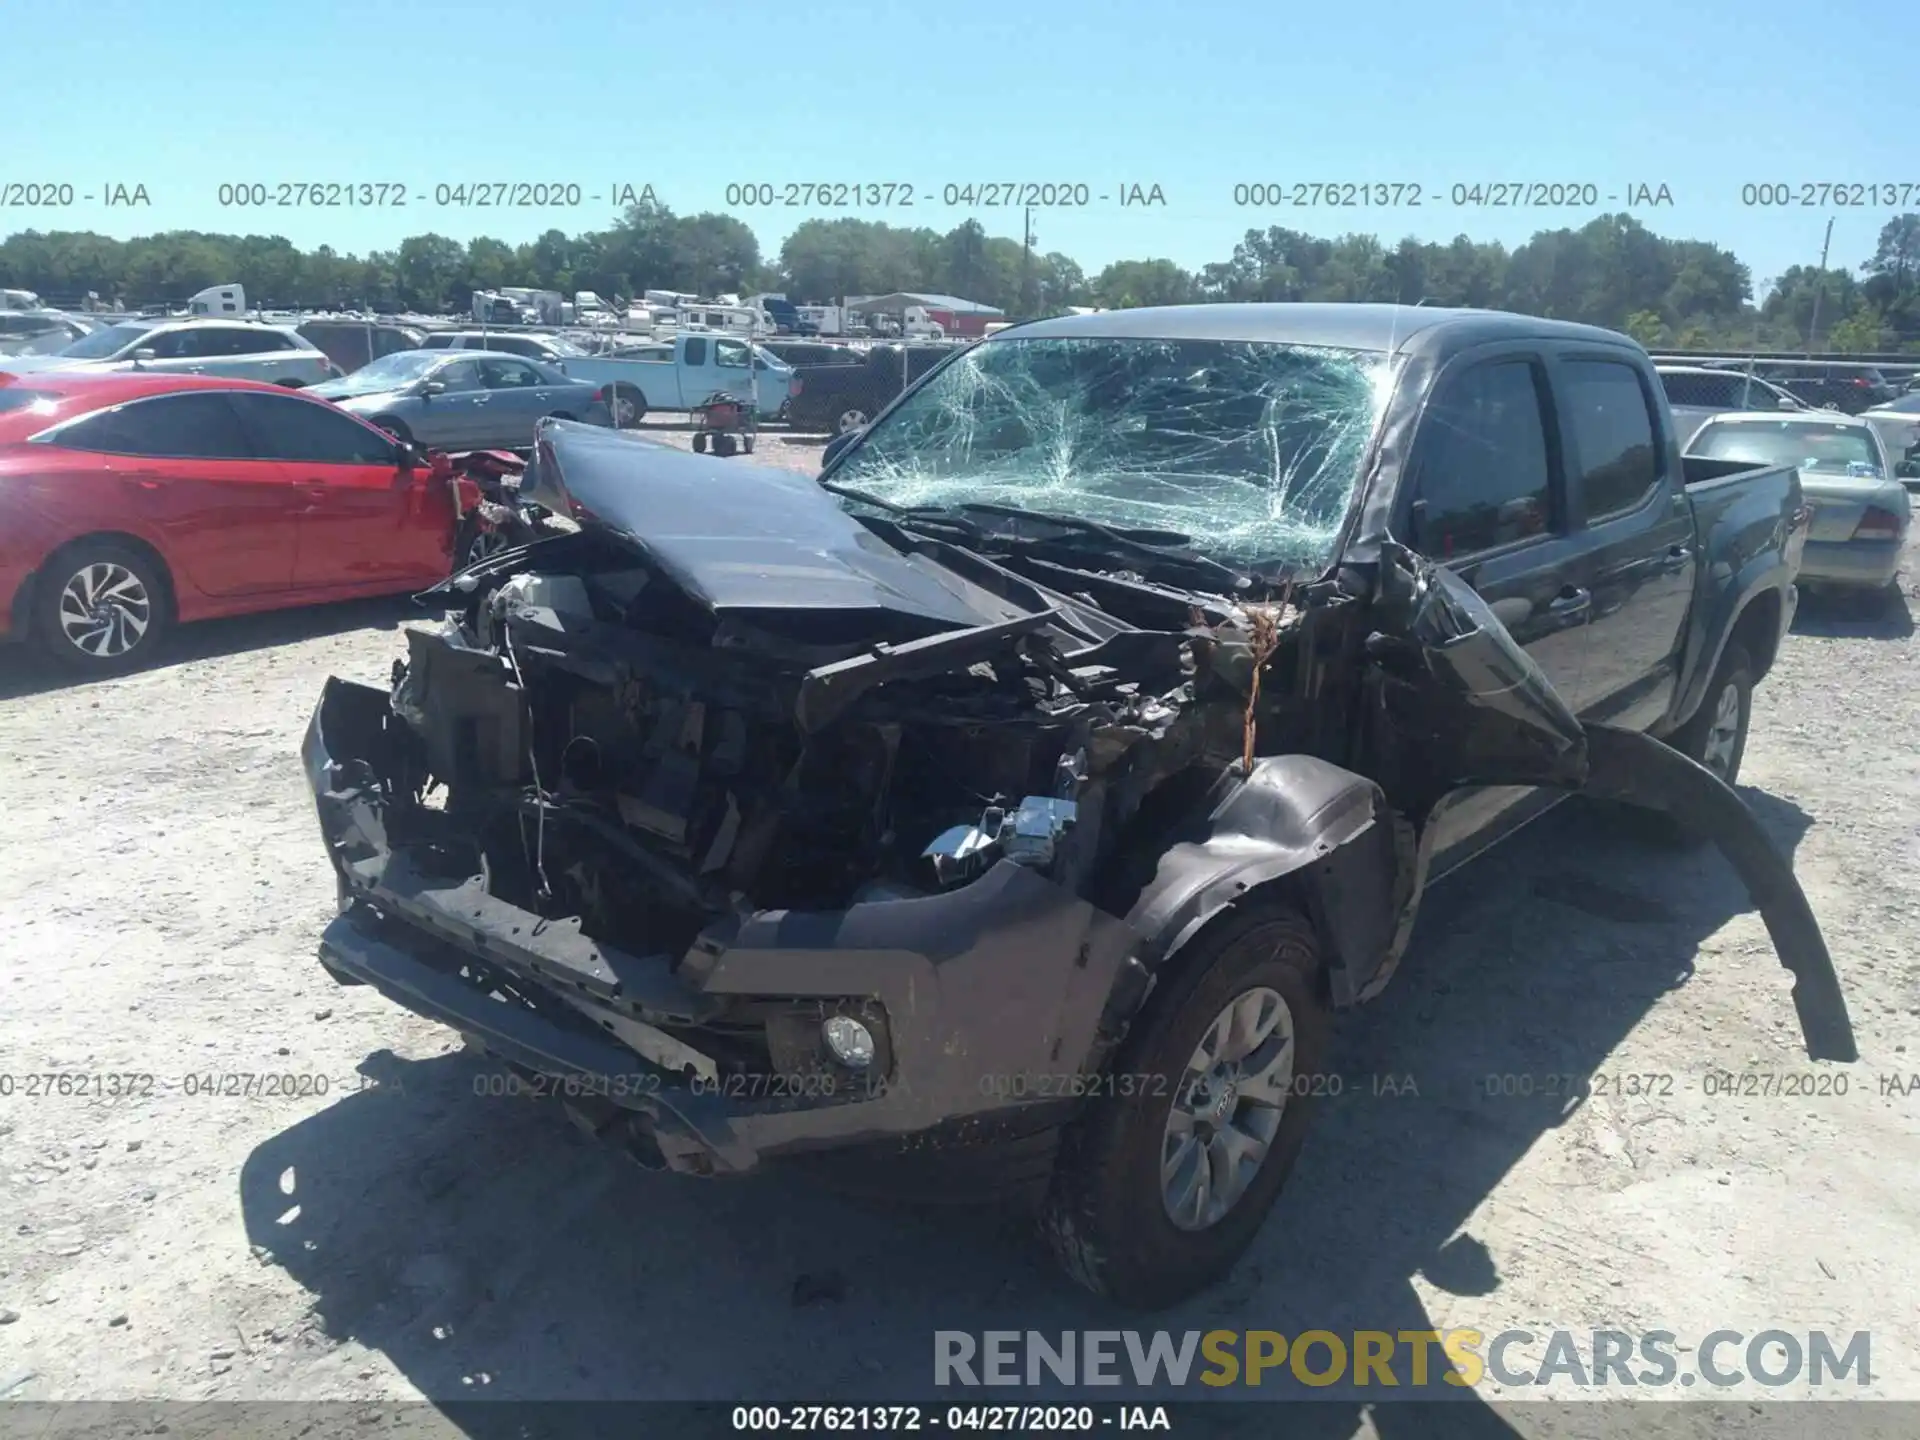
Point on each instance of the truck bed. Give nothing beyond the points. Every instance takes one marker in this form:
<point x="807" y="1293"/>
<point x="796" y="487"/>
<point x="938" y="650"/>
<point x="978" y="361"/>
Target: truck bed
<point x="1749" y="526"/>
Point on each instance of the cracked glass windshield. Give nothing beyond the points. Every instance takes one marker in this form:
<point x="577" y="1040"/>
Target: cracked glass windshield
<point x="1250" y="448"/>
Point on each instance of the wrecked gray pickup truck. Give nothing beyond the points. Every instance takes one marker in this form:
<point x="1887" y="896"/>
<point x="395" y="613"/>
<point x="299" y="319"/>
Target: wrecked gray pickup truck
<point x="1019" y="799"/>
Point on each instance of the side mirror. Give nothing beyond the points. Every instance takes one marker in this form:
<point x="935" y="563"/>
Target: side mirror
<point x="839" y="445"/>
<point x="432" y="387"/>
<point x="144" y="353"/>
<point x="1908" y="470"/>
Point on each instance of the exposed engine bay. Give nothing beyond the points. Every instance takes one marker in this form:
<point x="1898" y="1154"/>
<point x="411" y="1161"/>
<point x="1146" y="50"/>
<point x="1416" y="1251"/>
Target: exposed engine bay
<point x="617" y="754"/>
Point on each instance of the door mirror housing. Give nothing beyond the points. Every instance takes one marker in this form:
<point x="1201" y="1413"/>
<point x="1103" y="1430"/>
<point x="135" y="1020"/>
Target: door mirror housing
<point x="839" y="446"/>
<point x="143" y="354"/>
<point x="430" y="387"/>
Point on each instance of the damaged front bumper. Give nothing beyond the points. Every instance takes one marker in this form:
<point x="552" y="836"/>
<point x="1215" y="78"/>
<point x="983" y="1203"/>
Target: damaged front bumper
<point x="968" y="995"/>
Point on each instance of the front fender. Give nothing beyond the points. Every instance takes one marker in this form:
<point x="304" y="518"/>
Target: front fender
<point x="1294" y="816"/>
<point x="1626" y="766"/>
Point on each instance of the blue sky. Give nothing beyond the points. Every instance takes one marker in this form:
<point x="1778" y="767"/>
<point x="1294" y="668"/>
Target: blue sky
<point x="1194" y="96"/>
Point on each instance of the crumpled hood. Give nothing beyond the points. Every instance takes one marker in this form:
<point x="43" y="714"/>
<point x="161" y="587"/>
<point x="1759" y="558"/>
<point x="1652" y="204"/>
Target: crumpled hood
<point x="737" y="536"/>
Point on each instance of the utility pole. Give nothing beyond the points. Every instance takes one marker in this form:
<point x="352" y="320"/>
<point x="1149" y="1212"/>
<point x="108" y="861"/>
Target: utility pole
<point x="1026" y="268"/>
<point x="1813" y="325"/>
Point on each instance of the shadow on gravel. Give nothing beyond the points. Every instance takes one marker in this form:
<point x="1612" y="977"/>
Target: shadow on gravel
<point x="489" y="1252"/>
<point x="1874" y="615"/>
<point x="25" y="670"/>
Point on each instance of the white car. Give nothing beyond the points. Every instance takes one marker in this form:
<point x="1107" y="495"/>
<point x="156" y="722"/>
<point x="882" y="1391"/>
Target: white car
<point x="1861" y="511"/>
<point x="232" y="349"/>
<point x="1898" y="422"/>
<point x="1697" y="392"/>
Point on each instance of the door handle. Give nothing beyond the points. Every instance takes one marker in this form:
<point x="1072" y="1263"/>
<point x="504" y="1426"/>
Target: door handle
<point x="1680" y="552"/>
<point x="1571" y="601"/>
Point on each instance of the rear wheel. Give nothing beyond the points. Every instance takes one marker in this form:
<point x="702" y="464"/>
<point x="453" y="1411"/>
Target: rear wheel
<point x="1716" y="736"/>
<point x="1163" y="1184"/>
<point x="725" y="446"/>
<point x="104" y="607"/>
<point x="851" y="419"/>
<point x="627" y="406"/>
<point x="699" y="443"/>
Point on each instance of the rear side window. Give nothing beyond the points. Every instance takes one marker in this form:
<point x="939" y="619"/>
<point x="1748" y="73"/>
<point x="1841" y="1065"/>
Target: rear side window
<point x="304" y="431"/>
<point x="1613" y="435"/>
<point x="697" y="350"/>
<point x="1485" y="475"/>
<point x="196" y="426"/>
<point x="437" y="342"/>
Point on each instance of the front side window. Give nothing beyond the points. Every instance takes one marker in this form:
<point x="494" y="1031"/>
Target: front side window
<point x="1613" y="435"/>
<point x="1251" y="448"/>
<point x="305" y="431"/>
<point x="201" y="425"/>
<point x="107" y="342"/>
<point x="459" y="376"/>
<point x="1484" y="474"/>
<point x="730" y="354"/>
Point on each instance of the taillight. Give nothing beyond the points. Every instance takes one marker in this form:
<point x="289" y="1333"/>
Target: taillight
<point x="795" y="386"/>
<point x="1878" y="524"/>
<point x="600" y="395"/>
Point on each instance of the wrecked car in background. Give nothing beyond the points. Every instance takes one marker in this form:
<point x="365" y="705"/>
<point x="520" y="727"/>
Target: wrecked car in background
<point x="1011" y="807"/>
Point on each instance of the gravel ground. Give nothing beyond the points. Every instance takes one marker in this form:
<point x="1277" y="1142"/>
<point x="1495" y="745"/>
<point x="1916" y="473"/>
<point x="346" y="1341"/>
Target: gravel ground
<point x="400" y="1236"/>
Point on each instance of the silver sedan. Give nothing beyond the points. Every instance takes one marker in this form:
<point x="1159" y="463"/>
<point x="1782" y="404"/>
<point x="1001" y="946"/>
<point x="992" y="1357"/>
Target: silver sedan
<point x="1861" y="512"/>
<point x="463" y="399"/>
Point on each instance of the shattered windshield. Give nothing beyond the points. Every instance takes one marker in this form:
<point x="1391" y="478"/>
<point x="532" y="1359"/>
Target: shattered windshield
<point x="1251" y="448"/>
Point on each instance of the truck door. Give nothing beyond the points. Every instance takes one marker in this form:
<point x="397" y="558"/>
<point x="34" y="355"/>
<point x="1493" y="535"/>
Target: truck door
<point x="1487" y="499"/>
<point x="695" y="371"/>
<point x="1633" y="535"/>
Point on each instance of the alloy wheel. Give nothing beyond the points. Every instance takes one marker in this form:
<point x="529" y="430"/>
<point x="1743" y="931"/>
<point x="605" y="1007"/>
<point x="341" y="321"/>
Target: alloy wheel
<point x="852" y="420"/>
<point x="104" y="610"/>
<point x="1723" y="735"/>
<point x="484" y="545"/>
<point x="1226" y="1109"/>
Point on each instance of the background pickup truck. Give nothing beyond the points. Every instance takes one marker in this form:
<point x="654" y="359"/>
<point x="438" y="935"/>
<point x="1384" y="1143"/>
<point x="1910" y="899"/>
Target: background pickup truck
<point x="836" y="399"/>
<point x="681" y="373"/>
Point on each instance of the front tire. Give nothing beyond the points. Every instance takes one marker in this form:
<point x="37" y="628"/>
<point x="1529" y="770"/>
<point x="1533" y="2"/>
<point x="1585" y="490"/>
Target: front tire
<point x="850" y="419"/>
<point x="104" y="609"/>
<point x="1159" y="1191"/>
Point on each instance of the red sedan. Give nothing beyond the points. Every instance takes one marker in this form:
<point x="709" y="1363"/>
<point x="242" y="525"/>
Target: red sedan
<point x="131" y="501"/>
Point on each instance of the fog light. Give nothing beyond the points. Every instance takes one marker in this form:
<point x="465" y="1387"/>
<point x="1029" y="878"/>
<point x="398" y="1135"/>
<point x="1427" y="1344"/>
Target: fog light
<point x="849" y="1040"/>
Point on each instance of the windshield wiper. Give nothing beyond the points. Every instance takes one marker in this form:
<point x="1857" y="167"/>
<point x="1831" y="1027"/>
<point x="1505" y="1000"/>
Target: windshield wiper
<point x="1171" y="551"/>
<point x="930" y="515"/>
